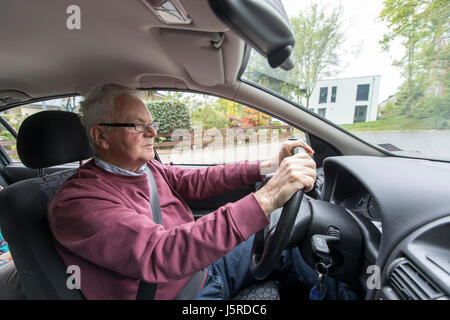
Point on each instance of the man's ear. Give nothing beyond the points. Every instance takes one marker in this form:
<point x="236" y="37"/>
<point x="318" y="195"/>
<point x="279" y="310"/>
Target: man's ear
<point x="98" y="137"/>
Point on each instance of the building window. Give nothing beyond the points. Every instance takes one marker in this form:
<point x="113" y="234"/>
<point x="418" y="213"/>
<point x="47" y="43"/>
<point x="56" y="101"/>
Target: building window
<point x="362" y="93"/>
<point x="323" y="95"/>
<point x="322" y="112"/>
<point x="360" y="114"/>
<point x="333" y="94"/>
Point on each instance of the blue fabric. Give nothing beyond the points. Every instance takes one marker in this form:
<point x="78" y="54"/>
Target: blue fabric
<point x="3" y="245"/>
<point x="230" y="274"/>
<point x="3" y="249"/>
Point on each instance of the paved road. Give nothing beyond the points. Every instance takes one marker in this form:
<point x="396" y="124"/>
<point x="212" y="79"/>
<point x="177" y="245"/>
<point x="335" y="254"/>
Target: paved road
<point x="435" y="144"/>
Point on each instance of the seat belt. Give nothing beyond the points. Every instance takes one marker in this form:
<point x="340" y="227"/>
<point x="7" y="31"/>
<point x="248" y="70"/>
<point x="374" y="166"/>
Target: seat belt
<point x="147" y="290"/>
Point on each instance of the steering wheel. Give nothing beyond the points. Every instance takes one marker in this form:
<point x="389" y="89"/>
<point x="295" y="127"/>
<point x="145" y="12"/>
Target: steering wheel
<point x="266" y="252"/>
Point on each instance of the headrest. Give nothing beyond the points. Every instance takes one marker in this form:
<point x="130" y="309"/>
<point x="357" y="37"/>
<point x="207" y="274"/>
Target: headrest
<point x="50" y="138"/>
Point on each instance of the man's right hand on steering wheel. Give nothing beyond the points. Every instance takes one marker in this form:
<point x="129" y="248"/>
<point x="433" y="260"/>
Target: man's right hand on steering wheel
<point x="295" y="172"/>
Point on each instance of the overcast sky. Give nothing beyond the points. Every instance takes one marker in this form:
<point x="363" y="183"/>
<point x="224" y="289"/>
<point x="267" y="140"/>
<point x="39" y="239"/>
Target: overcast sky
<point x="363" y="31"/>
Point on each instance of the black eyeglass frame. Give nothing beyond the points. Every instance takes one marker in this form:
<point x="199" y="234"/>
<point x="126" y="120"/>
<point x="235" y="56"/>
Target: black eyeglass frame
<point x="131" y="125"/>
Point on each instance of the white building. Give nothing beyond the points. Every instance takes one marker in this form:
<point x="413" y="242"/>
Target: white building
<point x="345" y="101"/>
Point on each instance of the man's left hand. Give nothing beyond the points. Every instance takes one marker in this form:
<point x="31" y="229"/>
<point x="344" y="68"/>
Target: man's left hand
<point x="270" y="166"/>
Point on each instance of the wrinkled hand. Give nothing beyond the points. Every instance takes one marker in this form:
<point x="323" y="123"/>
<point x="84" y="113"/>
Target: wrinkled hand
<point x="294" y="173"/>
<point x="270" y="166"/>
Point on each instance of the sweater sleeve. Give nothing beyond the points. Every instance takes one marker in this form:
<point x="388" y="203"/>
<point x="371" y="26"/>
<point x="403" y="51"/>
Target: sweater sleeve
<point x="96" y="224"/>
<point x="195" y="184"/>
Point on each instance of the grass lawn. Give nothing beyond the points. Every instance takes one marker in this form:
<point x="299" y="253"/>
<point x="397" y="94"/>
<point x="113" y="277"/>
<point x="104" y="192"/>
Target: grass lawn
<point x="401" y="123"/>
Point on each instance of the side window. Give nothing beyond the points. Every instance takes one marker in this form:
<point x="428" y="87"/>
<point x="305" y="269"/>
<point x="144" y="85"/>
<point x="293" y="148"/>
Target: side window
<point x="8" y="142"/>
<point x="204" y="130"/>
<point x="15" y="116"/>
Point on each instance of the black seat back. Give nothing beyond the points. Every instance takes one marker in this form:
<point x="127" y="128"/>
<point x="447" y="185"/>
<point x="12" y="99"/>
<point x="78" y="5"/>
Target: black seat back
<point x="55" y="137"/>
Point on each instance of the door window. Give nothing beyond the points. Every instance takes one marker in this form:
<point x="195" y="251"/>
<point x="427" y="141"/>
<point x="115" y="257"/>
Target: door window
<point x="204" y="130"/>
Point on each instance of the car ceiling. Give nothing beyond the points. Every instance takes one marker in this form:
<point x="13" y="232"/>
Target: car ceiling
<point x="119" y="41"/>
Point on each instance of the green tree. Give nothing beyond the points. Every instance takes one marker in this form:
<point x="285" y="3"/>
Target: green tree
<point x="422" y="26"/>
<point x="318" y="37"/>
<point x="210" y="118"/>
<point x="171" y="115"/>
<point x="230" y="108"/>
<point x="260" y="72"/>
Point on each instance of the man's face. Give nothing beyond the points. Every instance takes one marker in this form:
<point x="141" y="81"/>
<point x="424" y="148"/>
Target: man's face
<point x="128" y="148"/>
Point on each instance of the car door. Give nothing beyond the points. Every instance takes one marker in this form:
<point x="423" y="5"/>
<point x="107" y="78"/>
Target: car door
<point x="197" y="131"/>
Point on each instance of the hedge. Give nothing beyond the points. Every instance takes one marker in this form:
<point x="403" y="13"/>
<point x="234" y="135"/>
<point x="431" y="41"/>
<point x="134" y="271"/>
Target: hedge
<point x="171" y="115"/>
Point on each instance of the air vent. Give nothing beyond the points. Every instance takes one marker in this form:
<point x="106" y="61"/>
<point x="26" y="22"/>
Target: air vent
<point x="410" y="283"/>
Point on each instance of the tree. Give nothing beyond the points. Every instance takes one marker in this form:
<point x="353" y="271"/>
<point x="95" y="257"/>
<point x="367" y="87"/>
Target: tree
<point x="318" y="36"/>
<point x="230" y="108"/>
<point x="210" y="118"/>
<point x="68" y="104"/>
<point x="421" y="25"/>
<point x="254" y="118"/>
<point x="171" y="115"/>
<point x="260" y="72"/>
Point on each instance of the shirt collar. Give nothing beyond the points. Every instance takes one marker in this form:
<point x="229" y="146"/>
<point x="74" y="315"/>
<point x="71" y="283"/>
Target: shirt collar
<point x="114" y="169"/>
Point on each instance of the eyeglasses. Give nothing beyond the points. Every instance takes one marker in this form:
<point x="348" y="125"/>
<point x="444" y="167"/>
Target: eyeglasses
<point x="138" y="126"/>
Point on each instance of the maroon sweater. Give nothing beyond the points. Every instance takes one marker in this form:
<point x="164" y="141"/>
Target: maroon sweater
<point x="102" y="222"/>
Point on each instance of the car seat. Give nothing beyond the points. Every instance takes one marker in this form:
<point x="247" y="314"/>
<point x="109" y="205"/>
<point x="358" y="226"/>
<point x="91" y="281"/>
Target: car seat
<point x="45" y="139"/>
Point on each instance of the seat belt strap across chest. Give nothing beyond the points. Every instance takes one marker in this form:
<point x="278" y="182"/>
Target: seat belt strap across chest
<point x="147" y="290"/>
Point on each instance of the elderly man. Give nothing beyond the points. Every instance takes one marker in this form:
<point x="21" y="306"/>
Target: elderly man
<point x="102" y="217"/>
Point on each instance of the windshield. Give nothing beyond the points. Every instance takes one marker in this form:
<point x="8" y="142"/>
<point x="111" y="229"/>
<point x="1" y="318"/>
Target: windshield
<point x="378" y="69"/>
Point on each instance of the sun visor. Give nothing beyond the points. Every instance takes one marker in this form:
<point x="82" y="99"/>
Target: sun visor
<point x="200" y="53"/>
<point x="263" y="24"/>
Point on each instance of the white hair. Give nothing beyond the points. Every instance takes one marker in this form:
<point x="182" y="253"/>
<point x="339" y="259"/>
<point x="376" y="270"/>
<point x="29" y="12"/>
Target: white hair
<point x="98" y="105"/>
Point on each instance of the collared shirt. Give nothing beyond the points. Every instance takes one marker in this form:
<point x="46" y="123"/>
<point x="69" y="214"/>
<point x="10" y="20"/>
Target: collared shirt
<point x="114" y="169"/>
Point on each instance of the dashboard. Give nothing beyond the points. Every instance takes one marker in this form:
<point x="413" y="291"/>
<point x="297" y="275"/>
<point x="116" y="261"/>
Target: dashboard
<point x="404" y="219"/>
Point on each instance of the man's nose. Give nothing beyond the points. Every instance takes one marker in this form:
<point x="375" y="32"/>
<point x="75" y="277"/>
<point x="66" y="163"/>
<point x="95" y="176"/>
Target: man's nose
<point x="150" y="132"/>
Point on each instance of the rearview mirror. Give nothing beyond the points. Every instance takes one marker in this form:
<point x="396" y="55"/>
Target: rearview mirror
<point x="263" y="24"/>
